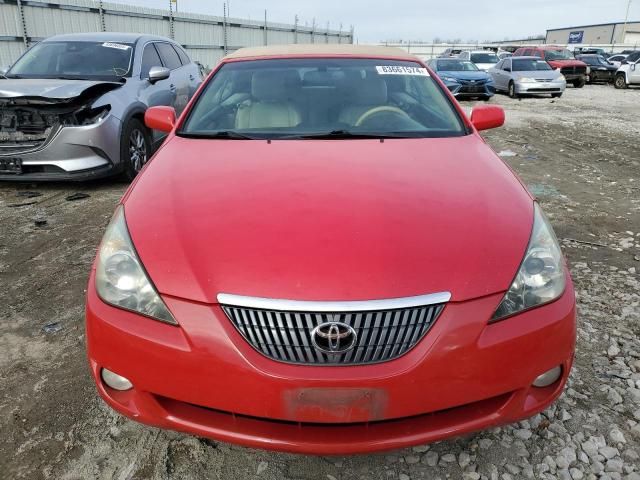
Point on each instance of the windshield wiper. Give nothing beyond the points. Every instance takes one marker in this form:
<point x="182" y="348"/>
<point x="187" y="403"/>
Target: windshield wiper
<point x="65" y="77"/>
<point x="223" y="134"/>
<point x="338" y="134"/>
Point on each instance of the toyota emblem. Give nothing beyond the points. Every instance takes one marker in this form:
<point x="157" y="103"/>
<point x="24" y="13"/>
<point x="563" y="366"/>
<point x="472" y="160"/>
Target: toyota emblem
<point x="333" y="337"/>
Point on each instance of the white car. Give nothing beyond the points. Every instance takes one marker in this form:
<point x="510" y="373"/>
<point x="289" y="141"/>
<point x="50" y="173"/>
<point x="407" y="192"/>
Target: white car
<point x="484" y="59"/>
<point x="617" y="60"/>
<point x="629" y="73"/>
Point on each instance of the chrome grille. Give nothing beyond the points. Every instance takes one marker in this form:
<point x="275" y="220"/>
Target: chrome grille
<point x="285" y="335"/>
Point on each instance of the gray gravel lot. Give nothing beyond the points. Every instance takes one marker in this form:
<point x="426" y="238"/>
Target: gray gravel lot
<point x="580" y="155"/>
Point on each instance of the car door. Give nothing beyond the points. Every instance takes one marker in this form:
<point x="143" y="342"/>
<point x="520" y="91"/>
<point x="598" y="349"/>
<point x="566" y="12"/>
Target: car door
<point x="496" y="72"/>
<point x="178" y="80"/>
<point x="158" y="93"/>
<point x="189" y="70"/>
<point x="634" y="72"/>
<point x="505" y="75"/>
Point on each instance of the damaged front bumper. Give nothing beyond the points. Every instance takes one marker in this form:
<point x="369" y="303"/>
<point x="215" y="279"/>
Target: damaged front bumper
<point x="68" y="153"/>
<point x="57" y="129"/>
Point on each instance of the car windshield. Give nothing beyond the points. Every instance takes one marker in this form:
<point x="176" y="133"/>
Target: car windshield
<point x="484" y="58"/>
<point x="558" y="55"/>
<point x="75" y="60"/>
<point x="456" y="66"/>
<point x="322" y="98"/>
<point x="530" y="65"/>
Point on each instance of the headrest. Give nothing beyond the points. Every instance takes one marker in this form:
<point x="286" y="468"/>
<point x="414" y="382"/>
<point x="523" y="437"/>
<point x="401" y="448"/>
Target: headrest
<point x="269" y="86"/>
<point x="371" y="91"/>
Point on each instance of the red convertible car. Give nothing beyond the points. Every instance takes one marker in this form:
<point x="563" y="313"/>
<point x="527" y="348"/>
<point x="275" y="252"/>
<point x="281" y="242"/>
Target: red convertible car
<point x="325" y="257"/>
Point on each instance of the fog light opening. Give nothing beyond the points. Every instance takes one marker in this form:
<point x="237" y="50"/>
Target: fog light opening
<point x="115" y="381"/>
<point x="548" y="378"/>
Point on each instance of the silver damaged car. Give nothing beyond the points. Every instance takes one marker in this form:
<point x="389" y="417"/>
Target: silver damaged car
<point x="72" y="107"/>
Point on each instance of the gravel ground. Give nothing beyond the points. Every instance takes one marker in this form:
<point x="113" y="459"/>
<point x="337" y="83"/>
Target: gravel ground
<point x="578" y="154"/>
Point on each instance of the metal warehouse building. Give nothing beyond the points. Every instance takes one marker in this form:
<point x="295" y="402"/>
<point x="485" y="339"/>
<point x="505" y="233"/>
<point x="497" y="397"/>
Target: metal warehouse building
<point x="206" y="38"/>
<point x="605" y="33"/>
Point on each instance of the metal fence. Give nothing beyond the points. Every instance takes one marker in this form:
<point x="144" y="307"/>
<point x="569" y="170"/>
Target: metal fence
<point x="206" y="38"/>
<point x="427" y="51"/>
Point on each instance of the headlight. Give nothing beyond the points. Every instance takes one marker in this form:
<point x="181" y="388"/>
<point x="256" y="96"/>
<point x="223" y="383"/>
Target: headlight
<point x="562" y="78"/>
<point x="526" y="80"/>
<point x="449" y="79"/>
<point x="540" y="278"/>
<point x="120" y="277"/>
<point x="91" y="116"/>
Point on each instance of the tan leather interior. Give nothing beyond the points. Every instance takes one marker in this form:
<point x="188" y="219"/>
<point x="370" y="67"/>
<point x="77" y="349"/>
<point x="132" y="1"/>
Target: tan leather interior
<point x="269" y="106"/>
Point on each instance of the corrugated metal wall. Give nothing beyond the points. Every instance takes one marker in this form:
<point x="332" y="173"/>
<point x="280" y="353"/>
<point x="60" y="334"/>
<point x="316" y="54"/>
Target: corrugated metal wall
<point x="24" y="22"/>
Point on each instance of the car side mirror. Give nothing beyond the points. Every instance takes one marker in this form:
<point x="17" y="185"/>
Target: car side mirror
<point x="485" y="117"/>
<point x="160" y="118"/>
<point x="158" y="73"/>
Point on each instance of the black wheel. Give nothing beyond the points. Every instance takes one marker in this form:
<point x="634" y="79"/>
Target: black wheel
<point x="512" y="90"/>
<point x="556" y="95"/>
<point x="135" y="148"/>
<point x="620" y="82"/>
<point x="579" y="83"/>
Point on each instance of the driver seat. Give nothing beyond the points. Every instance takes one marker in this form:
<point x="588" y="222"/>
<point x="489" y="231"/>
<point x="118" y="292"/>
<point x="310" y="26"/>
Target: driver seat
<point x="370" y="93"/>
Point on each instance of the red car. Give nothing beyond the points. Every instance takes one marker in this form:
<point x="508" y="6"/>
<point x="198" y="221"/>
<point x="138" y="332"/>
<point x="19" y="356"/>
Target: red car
<point x="325" y="257"/>
<point x="575" y="71"/>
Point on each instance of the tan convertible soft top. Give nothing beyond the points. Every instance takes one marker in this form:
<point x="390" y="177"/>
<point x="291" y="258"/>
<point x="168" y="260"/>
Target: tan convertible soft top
<point x="322" y="49"/>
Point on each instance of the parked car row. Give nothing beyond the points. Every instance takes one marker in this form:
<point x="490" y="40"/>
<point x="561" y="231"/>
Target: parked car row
<point x="532" y="70"/>
<point x="72" y="107"/>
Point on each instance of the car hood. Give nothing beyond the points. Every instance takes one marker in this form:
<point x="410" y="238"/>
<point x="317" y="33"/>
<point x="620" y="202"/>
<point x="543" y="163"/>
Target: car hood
<point x="329" y="220"/>
<point x="465" y="75"/>
<point x="538" y="74"/>
<point x="52" y="90"/>
<point x="485" y="66"/>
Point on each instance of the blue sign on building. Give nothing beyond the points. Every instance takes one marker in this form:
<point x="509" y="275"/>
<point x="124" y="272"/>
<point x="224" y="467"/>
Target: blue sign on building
<point x="576" y="37"/>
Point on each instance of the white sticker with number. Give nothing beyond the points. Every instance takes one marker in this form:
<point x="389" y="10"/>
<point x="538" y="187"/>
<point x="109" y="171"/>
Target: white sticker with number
<point x="402" y="70"/>
<point x="119" y="46"/>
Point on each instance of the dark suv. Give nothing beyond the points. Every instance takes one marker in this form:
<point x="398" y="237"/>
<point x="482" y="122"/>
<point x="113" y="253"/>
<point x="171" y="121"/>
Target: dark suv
<point x="575" y="71"/>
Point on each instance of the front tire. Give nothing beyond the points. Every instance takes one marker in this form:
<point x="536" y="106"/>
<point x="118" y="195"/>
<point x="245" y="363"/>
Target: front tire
<point x="620" y="82"/>
<point x="512" y="90"/>
<point x="579" y="83"/>
<point x="135" y="148"/>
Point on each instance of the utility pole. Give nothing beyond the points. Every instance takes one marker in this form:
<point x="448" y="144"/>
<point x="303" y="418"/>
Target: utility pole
<point x="266" y="40"/>
<point x="626" y="20"/>
<point x="103" y="26"/>
<point x="23" y="22"/>
<point x="171" y="19"/>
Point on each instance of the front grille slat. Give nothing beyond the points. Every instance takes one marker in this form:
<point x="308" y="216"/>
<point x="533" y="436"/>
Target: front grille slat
<point x="286" y="336"/>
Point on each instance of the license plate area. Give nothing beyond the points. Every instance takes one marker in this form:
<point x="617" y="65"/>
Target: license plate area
<point x="10" y="165"/>
<point x="336" y="405"/>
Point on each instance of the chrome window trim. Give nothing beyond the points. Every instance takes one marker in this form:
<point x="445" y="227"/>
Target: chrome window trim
<point x="332" y="306"/>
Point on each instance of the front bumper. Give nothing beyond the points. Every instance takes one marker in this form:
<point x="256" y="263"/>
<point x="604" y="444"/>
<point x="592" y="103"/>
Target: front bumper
<point x="540" y="88"/>
<point x="204" y="379"/>
<point x="471" y="90"/>
<point x="602" y="75"/>
<point x="72" y="153"/>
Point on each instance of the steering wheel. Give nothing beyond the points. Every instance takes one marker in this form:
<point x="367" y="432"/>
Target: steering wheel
<point x="377" y="110"/>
